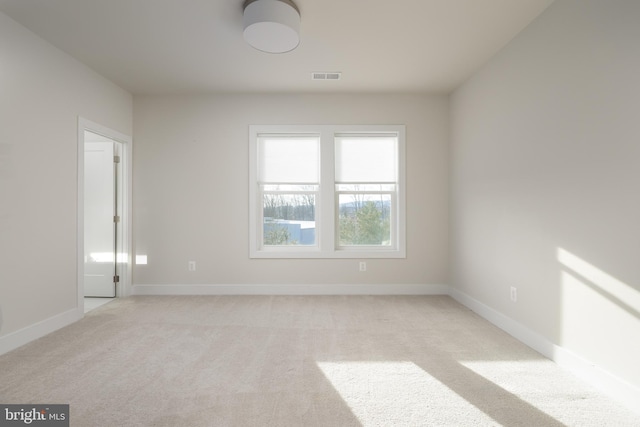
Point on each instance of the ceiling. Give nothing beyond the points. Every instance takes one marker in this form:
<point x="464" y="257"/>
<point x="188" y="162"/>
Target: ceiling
<point x="196" y="46"/>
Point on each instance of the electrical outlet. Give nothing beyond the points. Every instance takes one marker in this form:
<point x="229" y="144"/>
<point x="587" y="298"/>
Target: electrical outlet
<point x="192" y="266"/>
<point x="363" y="266"/>
<point x="514" y="294"/>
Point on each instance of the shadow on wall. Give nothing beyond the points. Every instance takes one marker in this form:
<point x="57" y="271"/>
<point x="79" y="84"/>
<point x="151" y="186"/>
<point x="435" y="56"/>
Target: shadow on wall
<point x="600" y="316"/>
<point x="607" y="286"/>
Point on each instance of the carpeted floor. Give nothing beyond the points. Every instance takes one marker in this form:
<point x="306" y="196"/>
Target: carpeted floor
<point x="297" y="361"/>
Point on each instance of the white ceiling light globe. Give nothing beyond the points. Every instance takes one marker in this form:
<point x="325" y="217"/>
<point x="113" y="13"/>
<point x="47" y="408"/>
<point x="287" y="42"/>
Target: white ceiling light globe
<point x="272" y="26"/>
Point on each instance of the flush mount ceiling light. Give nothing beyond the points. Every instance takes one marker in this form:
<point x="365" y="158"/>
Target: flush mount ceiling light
<point x="272" y="26"/>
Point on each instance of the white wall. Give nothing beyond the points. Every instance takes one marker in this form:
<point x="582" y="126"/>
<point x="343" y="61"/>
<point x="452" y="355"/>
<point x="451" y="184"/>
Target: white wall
<point x="545" y="151"/>
<point x="191" y="188"/>
<point x="42" y="93"/>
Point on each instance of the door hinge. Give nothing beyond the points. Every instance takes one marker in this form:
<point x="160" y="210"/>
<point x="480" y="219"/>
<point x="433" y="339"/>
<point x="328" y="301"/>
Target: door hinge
<point x="116" y="279"/>
<point x="116" y="218"/>
<point x="116" y="159"/>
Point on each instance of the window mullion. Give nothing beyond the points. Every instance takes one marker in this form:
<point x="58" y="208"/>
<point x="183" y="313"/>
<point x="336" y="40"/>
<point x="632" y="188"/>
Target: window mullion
<point x="327" y="191"/>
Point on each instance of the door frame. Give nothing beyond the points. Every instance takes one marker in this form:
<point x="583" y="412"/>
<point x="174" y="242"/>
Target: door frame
<point x="124" y="286"/>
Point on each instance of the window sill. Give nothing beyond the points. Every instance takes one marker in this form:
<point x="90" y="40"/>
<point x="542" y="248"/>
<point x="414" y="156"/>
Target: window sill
<point x="337" y="254"/>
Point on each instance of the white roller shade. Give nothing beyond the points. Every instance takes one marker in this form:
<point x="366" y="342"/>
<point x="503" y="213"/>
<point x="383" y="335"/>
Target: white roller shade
<point x="366" y="158"/>
<point x="288" y="159"/>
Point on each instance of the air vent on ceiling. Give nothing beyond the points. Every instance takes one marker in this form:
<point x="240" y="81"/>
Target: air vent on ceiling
<point x="326" y="76"/>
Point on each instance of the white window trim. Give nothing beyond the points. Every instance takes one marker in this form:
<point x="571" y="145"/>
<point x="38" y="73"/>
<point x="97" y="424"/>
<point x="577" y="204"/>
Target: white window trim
<point x="325" y="209"/>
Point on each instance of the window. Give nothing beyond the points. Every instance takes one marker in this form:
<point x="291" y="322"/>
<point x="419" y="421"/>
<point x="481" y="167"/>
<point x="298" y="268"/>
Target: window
<point x="288" y="184"/>
<point x="327" y="192"/>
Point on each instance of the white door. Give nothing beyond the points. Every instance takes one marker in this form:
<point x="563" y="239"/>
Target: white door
<point x="100" y="216"/>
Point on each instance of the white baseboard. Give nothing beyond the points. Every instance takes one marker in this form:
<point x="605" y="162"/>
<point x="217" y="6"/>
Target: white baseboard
<point x="615" y="387"/>
<point x="38" y="330"/>
<point x="510" y="326"/>
<point x="242" y="289"/>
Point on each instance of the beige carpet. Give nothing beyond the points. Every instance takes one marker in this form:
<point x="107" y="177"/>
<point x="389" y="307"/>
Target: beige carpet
<point x="297" y="361"/>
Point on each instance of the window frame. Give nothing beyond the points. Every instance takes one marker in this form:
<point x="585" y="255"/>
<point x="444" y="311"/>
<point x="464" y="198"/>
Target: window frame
<point x="326" y="209"/>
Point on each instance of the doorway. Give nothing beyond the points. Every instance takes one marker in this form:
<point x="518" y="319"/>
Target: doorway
<point x="104" y="177"/>
<point x="102" y="213"/>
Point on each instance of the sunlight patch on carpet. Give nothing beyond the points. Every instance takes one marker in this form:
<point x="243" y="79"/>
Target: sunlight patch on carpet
<point x="540" y="384"/>
<point x="397" y="393"/>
